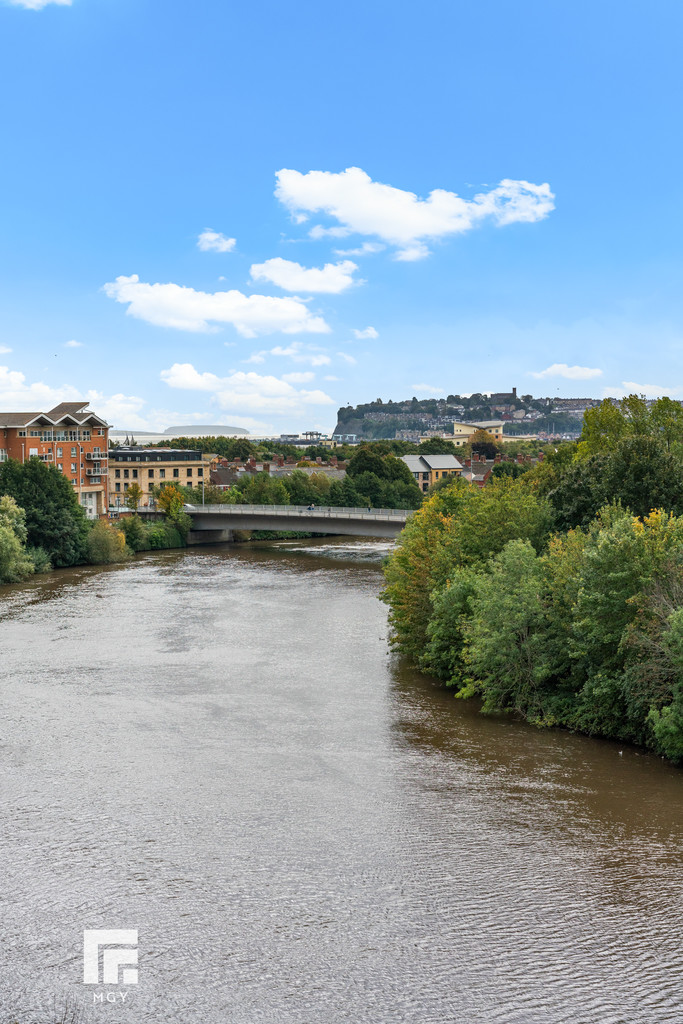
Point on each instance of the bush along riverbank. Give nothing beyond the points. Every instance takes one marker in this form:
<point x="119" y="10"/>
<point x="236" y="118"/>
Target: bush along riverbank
<point x="558" y="596"/>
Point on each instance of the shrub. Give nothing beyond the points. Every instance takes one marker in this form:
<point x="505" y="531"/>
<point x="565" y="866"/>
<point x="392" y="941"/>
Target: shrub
<point x="106" y="545"/>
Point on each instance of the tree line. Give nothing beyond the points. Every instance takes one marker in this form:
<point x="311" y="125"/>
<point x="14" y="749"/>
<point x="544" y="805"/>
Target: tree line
<point x="559" y="595"/>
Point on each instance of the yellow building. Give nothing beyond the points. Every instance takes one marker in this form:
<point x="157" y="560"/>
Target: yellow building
<point x="427" y="469"/>
<point x="153" y="467"/>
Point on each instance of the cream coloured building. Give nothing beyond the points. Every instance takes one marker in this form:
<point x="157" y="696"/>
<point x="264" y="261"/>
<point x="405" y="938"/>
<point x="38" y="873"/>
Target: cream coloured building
<point x="153" y="467"/>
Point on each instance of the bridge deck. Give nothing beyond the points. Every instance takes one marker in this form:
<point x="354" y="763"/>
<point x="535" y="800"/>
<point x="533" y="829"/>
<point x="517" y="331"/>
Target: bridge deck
<point x="215" y="522"/>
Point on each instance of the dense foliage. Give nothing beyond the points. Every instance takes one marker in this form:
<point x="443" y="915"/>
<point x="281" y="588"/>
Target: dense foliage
<point x="54" y="520"/>
<point x="559" y="595"/>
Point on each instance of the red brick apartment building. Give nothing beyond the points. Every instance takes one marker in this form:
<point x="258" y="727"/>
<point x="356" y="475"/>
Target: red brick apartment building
<point x="69" y="437"/>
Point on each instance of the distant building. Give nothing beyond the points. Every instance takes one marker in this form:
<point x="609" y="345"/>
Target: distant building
<point x="153" y="467"/>
<point x="68" y="437"/>
<point x="463" y="431"/>
<point x="427" y="469"/>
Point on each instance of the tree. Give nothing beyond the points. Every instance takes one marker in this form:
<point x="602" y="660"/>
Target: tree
<point x="171" y="503"/>
<point x="504" y="635"/>
<point x="54" y="519"/>
<point x="484" y="443"/>
<point x="15" y="562"/>
<point x="134" y="496"/>
<point x="436" y="446"/>
<point x="106" y="545"/>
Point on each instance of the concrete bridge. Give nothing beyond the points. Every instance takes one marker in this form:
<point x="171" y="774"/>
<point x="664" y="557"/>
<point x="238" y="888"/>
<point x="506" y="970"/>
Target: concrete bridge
<point x="215" y="522"/>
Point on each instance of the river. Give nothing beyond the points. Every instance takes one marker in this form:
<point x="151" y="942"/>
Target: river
<point x="215" y="747"/>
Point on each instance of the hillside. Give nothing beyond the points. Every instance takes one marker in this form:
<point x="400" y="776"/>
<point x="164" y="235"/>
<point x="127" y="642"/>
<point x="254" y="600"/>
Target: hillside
<point x="522" y="414"/>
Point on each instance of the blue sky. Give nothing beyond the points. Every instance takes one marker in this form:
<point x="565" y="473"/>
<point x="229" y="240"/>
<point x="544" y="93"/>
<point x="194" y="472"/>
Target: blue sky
<point x="255" y="213"/>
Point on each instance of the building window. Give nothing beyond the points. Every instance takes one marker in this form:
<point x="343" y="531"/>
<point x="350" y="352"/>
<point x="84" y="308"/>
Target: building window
<point x="117" y="473"/>
<point x="60" y="467"/>
<point x="73" y="452"/>
<point x="162" y="474"/>
<point x="125" y="487"/>
<point x="150" y="474"/>
<point x="189" y="471"/>
<point x="59" y="453"/>
<point x="73" y="467"/>
<point x="60" y="435"/>
<point x="118" y="487"/>
<point x="200" y="472"/>
<point x="135" y="474"/>
<point x="3" y="455"/>
<point x="176" y="472"/>
<point x="85" y="435"/>
<point x="21" y="433"/>
<point x="126" y="474"/>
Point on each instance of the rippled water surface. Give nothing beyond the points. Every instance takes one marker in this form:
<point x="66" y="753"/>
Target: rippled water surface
<point x="216" y="748"/>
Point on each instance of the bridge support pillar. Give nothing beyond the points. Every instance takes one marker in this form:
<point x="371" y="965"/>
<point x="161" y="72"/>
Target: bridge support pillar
<point x="209" y="537"/>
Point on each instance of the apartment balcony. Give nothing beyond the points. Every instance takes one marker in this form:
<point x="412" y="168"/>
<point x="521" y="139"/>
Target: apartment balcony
<point x="94" y="457"/>
<point x="91" y="471"/>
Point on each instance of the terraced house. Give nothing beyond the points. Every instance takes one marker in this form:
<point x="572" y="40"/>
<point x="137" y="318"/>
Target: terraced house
<point x="69" y="437"/>
<point x="150" y="468"/>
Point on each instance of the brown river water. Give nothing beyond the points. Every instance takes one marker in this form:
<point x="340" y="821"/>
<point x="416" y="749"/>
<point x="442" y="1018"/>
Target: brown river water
<point x="216" y="748"/>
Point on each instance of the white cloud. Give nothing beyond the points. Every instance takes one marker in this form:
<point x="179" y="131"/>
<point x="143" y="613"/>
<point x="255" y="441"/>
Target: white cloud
<point x="250" y="392"/>
<point x="366" y="249"/>
<point x="297" y="352"/>
<point x="401" y="218"/>
<point x="368" y="332"/>
<point x="426" y="389"/>
<point x="331" y="377"/>
<point x="332" y="278"/>
<point x="4" y="350"/>
<point x="629" y="387"/>
<point x="347" y="358"/>
<point x="568" y="372"/>
<point x="213" y="241"/>
<point x="172" y="305"/>
<point x="37" y="5"/>
<point x="304" y="377"/>
<point x="73" y="344"/>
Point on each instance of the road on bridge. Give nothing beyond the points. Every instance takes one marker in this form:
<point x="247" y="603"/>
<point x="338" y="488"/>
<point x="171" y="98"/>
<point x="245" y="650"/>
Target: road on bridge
<point x="355" y="522"/>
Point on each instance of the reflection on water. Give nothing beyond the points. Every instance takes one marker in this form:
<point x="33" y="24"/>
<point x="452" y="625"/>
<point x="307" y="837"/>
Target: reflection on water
<point x="216" y="747"/>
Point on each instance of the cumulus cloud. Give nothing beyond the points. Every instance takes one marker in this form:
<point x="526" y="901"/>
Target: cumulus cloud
<point x="297" y="352"/>
<point x="331" y="377"/>
<point x="73" y="344"/>
<point x="19" y="395"/>
<point x="250" y="392"/>
<point x="214" y="241"/>
<point x="403" y="219"/>
<point x="292" y="277"/>
<point x="568" y="372"/>
<point x="367" y="332"/>
<point x="304" y="377"/>
<point x="426" y="389"/>
<point x="37" y="5"/>
<point x="4" y="350"/>
<point x="629" y="387"/>
<point x="366" y="249"/>
<point x="347" y="358"/>
<point x="172" y="305"/>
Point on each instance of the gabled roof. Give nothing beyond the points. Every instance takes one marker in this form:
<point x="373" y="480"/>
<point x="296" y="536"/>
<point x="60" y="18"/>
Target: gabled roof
<point x="67" y="409"/>
<point x="442" y="461"/>
<point x="17" y="419"/>
<point x="421" y="463"/>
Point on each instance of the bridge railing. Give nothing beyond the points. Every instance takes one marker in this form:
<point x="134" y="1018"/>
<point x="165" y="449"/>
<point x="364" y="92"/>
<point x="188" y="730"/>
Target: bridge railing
<point x="294" y="511"/>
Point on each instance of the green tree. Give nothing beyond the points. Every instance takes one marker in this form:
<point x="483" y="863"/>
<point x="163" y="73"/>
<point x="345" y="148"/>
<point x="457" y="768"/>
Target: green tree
<point x="171" y="502"/>
<point x="505" y="632"/>
<point x="15" y="562"/>
<point x="134" y="496"/>
<point x="54" y="519"/>
<point x="106" y="545"/>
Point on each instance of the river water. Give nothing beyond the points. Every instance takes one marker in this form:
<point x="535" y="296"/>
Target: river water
<point x="216" y="748"/>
